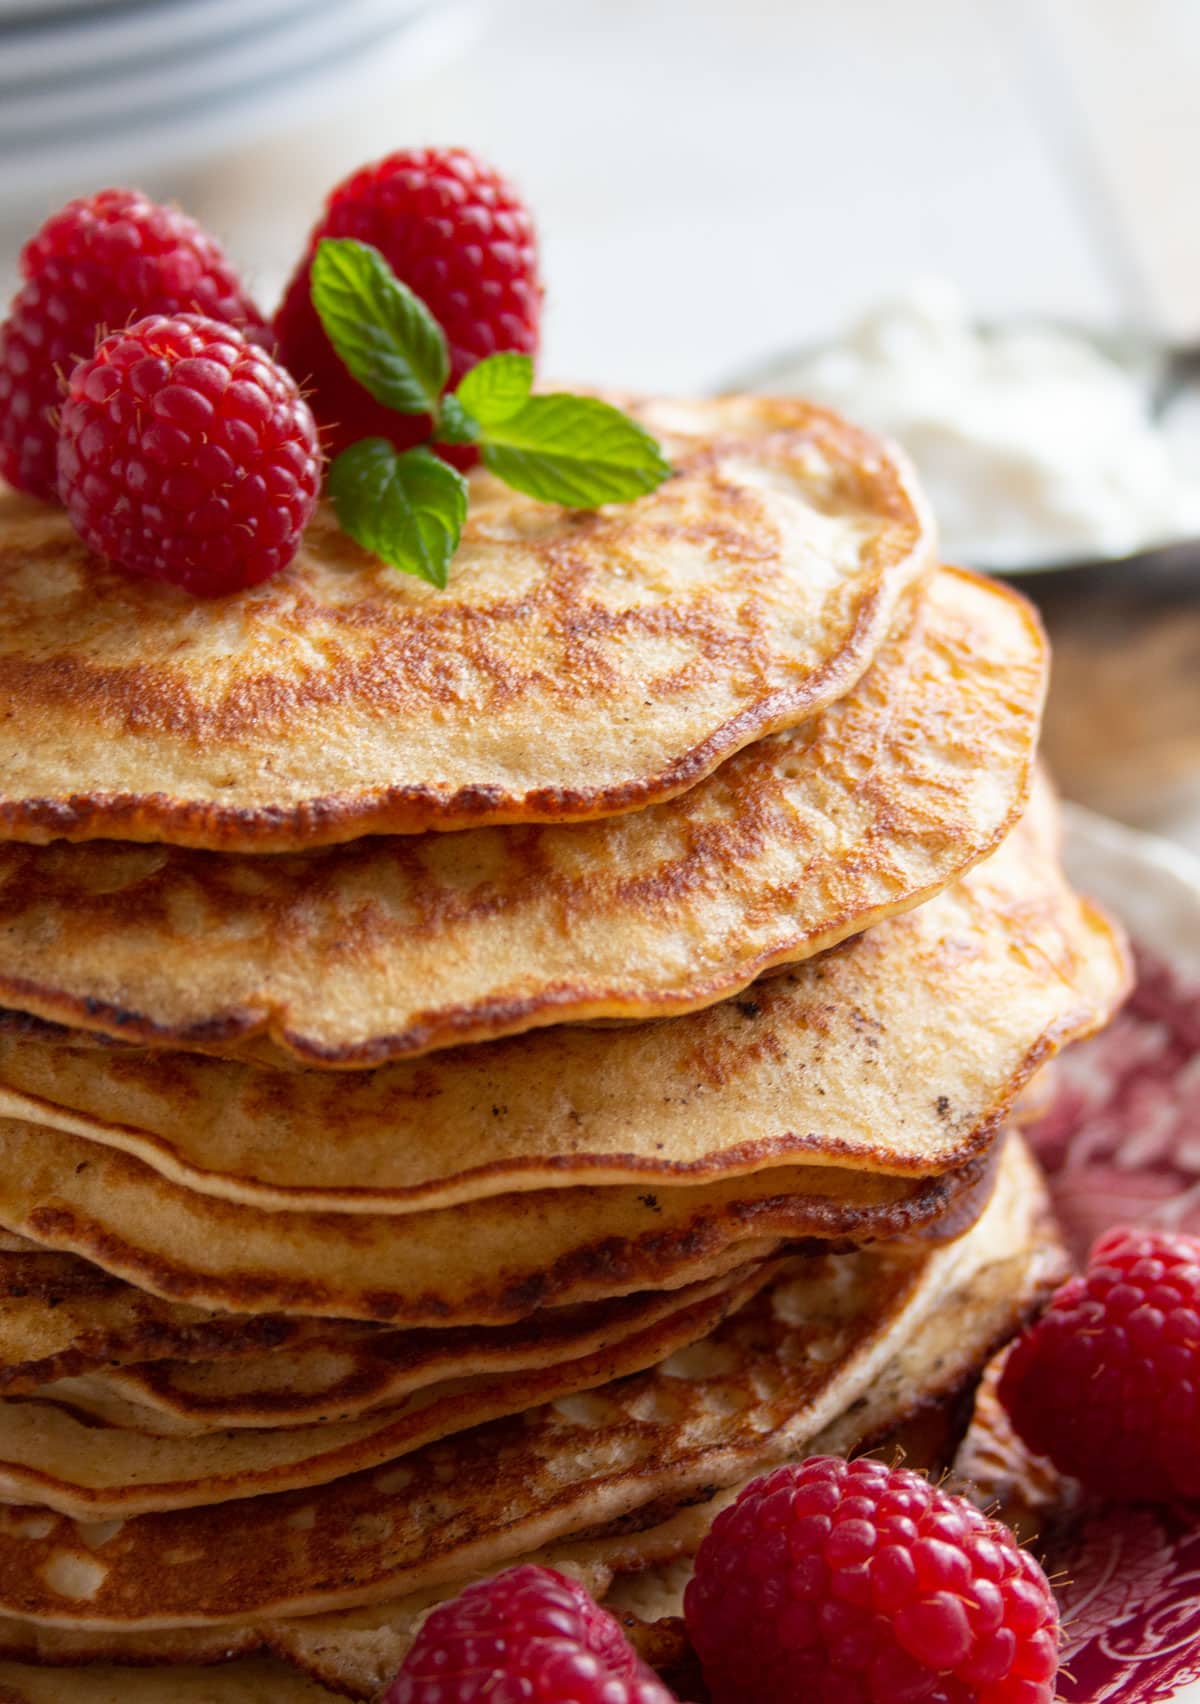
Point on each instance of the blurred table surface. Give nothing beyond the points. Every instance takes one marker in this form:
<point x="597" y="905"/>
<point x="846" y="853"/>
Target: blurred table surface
<point x="1122" y="730"/>
<point x="717" y="179"/>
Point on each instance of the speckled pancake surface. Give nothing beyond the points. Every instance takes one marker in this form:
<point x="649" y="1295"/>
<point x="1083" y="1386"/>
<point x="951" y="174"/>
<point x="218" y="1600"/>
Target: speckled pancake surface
<point x="485" y="1262"/>
<point x="770" y="1378"/>
<point x="398" y="945"/>
<point x="897" y="1053"/>
<point x="576" y="665"/>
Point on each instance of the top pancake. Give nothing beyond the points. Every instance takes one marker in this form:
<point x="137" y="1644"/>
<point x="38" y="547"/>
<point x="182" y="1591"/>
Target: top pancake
<point x="577" y="665"/>
<point x="350" y="956"/>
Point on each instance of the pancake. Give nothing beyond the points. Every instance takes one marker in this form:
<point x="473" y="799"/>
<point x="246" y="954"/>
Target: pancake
<point x="910" y="1384"/>
<point x="578" y="664"/>
<point x="82" y="1328"/>
<point x="96" y="1470"/>
<point x="61" y="1316"/>
<point x="350" y="1649"/>
<point x="341" y="1370"/>
<point x="761" y="1386"/>
<point x="357" y="1651"/>
<point x="392" y="947"/>
<point x="255" y="1682"/>
<point x="897" y="1054"/>
<point x="487" y="1262"/>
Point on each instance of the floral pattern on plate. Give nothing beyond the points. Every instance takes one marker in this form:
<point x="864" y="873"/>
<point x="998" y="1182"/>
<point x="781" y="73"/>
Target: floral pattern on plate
<point x="1120" y="1141"/>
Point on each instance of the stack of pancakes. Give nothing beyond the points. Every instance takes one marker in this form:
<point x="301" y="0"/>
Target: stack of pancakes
<point x="484" y="1072"/>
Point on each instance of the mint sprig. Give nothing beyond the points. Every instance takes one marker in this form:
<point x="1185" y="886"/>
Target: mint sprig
<point x="574" y="450"/>
<point x="409" y="509"/>
<point x="409" y="506"/>
<point x="381" y="329"/>
<point x="496" y="388"/>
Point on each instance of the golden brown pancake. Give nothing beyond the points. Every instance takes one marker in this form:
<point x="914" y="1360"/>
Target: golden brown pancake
<point x="759" y="1388"/>
<point x="577" y="665"/>
<point x="919" y="1368"/>
<point x="485" y="1262"/>
<point x="254" y="1682"/>
<point x="897" y="1053"/>
<point x="339" y="1370"/>
<point x="61" y="1316"/>
<point x="915" y="1411"/>
<point x="67" y="1322"/>
<point x="98" y="1470"/>
<point x="395" y="946"/>
<point x="357" y="1651"/>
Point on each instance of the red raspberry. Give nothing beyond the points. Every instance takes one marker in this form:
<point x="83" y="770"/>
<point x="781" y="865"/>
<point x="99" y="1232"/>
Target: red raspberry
<point x="187" y="454"/>
<point x="530" y="1636"/>
<point x="1107" y="1383"/>
<point x="455" y="232"/>
<point x="838" y="1582"/>
<point x="94" y="266"/>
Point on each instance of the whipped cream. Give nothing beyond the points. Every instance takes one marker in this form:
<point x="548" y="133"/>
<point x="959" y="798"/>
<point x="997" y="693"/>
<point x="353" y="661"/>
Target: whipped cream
<point x="1035" y="447"/>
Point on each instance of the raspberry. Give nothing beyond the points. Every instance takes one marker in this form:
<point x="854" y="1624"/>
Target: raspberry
<point x="530" y="1636"/>
<point x="839" y="1582"/>
<point x="1107" y="1383"/>
<point x="455" y="232"/>
<point x="187" y="454"/>
<point x="94" y="266"/>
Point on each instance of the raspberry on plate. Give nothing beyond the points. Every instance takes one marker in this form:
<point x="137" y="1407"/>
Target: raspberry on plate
<point x="96" y="265"/>
<point x="457" y="234"/>
<point x="187" y="454"/>
<point x="530" y="1635"/>
<point x="837" y="1582"/>
<point x="1107" y="1383"/>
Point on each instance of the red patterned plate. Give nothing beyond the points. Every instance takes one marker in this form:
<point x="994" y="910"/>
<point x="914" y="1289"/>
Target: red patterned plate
<point x="1120" y="1141"/>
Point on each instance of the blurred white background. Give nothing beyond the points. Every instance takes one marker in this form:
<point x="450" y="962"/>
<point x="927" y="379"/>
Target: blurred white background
<point x="714" y="178"/>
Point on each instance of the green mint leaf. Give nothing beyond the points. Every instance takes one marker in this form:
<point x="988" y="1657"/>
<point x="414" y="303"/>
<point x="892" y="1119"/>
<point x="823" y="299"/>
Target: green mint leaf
<point x="496" y="388"/>
<point x="574" y="450"/>
<point x="381" y="330"/>
<point x="408" y="508"/>
<point x="455" y="425"/>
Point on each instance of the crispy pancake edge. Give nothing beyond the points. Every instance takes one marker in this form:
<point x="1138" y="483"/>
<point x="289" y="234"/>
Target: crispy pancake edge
<point x="333" y="818"/>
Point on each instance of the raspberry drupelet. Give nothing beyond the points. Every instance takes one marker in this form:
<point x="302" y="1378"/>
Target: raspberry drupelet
<point x="837" y="1582"/>
<point x="187" y="454"/>
<point x="99" y="263"/>
<point x="456" y="233"/>
<point x="529" y="1635"/>
<point x="1107" y="1383"/>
